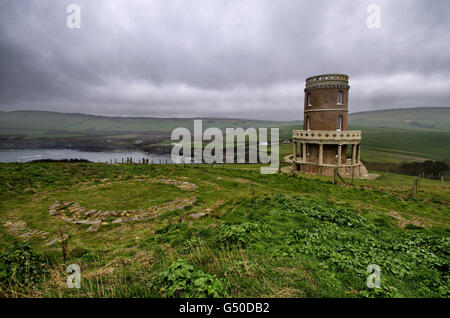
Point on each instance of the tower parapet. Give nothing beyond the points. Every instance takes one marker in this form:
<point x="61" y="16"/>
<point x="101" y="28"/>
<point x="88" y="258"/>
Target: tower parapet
<point x="327" y="81"/>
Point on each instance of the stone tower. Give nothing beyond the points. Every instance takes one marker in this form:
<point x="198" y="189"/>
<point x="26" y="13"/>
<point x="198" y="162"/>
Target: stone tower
<point x="325" y="143"/>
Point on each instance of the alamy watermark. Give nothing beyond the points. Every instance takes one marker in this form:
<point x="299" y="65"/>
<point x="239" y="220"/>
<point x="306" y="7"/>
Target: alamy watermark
<point x="213" y="152"/>
<point x="374" y="279"/>
<point x="373" y="20"/>
<point x="74" y="279"/>
<point x="73" y="20"/>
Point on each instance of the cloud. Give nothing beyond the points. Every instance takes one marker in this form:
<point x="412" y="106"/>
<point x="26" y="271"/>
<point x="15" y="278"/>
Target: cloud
<point x="219" y="58"/>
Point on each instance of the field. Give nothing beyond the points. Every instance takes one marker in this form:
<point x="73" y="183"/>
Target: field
<point x="423" y="119"/>
<point x="218" y="231"/>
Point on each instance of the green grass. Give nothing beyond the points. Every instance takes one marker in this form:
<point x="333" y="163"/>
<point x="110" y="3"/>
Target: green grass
<point x="292" y="236"/>
<point x="414" y="144"/>
<point x="421" y="119"/>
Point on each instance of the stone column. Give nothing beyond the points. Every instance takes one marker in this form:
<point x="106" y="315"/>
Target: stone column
<point x="320" y="154"/>
<point x="304" y="152"/>
<point x="359" y="153"/>
<point x="294" y="158"/>
<point x="353" y="154"/>
<point x="339" y="155"/>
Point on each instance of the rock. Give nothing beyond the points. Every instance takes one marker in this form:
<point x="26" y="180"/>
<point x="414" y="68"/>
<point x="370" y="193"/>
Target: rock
<point x="119" y="220"/>
<point x="81" y="222"/>
<point x="52" y="242"/>
<point x="94" y="222"/>
<point x="90" y="212"/>
<point x="197" y="215"/>
<point x="65" y="237"/>
<point x="93" y="228"/>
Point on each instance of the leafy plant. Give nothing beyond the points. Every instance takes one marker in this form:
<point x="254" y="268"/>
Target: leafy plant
<point x="20" y="264"/>
<point x="182" y="280"/>
<point x="240" y="234"/>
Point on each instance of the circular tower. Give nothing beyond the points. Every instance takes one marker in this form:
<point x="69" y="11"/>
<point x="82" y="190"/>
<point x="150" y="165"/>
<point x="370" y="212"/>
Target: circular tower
<point x="326" y="102"/>
<point x="321" y="147"/>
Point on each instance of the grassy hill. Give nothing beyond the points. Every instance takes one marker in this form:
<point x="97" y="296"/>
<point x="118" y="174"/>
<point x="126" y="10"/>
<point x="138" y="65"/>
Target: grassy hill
<point x="174" y="231"/>
<point x="40" y="124"/>
<point x="425" y="118"/>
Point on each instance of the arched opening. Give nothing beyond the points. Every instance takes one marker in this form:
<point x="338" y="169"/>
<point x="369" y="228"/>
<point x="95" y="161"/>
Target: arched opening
<point x="308" y="99"/>
<point x="308" y="123"/>
<point x="339" y="122"/>
<point x="340" y="97"/>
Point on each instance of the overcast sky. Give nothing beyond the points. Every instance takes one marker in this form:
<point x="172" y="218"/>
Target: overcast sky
<point x="221" y="58"/>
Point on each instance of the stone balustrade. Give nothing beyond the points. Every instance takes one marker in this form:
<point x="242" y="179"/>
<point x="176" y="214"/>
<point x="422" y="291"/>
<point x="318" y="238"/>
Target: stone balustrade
<point x="333" y="136"/>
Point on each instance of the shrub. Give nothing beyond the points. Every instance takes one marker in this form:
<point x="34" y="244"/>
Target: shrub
<point x="240" y="234"/>
<point x="182" y="280"/>
<point x="20" y="264"/>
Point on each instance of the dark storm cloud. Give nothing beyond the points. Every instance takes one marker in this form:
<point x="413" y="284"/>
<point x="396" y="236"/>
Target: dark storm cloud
<point x="233" y="58"/>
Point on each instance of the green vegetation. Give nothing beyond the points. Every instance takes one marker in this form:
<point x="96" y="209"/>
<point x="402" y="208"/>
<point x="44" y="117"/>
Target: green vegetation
<point x="405" y="144"/>
<point x="421" y="119"/>
<point x="182" y="280"/>
<point x="260" y="235"/>
<point x="21" y="265"/>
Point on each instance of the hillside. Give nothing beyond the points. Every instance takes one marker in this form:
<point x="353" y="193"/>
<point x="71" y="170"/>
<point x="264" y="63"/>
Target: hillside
<point x="425" y="118"/>
<point x="41" y="124"/>
<point x="217" y="231"/>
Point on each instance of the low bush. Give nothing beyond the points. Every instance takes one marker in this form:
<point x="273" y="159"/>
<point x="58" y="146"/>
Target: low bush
<point x="21" y="265"/>
<point x="182" y="280"/>
<point x="240" y="234"/>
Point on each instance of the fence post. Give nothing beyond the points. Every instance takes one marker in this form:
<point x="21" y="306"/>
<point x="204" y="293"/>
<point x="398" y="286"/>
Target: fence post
<point x="415" y="185"/>
<point x="442" y="181"/>
<point x="387" y="175"/>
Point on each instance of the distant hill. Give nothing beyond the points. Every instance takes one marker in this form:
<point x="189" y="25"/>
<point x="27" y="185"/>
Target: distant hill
<point x="43" y="124"/>
<point x="388" y="135"/>
<point x="425" y="118"/>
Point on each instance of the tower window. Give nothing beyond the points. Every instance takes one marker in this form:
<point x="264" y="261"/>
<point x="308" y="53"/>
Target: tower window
<point x="308" y="99"/>
<point x="340" y="98"/>
<point x="339" y="123"/>
<point x="308" y="123"/>
<point x="307" y="150"/>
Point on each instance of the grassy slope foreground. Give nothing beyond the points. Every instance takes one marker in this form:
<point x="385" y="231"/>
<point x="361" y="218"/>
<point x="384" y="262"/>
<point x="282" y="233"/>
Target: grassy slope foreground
<point x="292" y="236"/>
